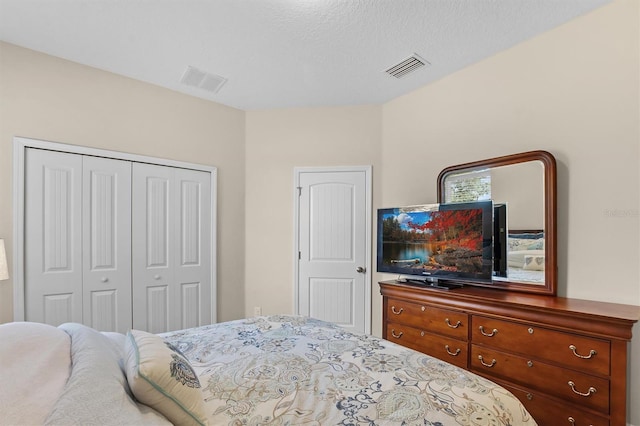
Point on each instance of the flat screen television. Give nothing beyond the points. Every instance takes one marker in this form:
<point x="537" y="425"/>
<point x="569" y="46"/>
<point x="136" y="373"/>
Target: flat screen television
<point x="500" y="240"/>
<point x="441" y="245"/>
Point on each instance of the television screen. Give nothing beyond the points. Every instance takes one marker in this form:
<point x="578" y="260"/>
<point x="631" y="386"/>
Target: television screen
<point x="452" y="242"/>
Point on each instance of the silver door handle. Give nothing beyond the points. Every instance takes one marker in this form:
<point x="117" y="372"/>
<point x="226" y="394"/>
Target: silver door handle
<point x="361" y="269"/>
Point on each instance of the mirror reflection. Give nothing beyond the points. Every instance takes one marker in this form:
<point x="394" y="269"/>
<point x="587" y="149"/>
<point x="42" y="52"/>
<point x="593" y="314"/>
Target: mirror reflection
<point x="520" y="189"/>
<point x="523" y="206"/>
<point x="517" y="191"/>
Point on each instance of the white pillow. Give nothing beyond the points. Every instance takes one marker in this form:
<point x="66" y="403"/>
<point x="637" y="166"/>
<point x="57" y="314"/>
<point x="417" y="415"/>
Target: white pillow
<point x="533" y="263"/>
<point x="162" y="378"/>
<point x="516" y="244"/>
<point x="515" y="259"/>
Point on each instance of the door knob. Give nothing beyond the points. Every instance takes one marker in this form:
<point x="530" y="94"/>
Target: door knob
<point x="156" y="277"/>
<point x="104" y="279"/>
<point x="361" y="270"/>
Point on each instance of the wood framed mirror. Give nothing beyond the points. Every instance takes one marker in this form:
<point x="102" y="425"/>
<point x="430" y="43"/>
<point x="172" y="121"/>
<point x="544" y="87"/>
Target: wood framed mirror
<point x="523" y="189"/>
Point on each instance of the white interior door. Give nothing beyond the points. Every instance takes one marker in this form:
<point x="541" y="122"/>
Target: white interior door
<point x="171" y="248"/>
<point x="106" y="239"/>
<point x="333" y="216"/>
<point x="53" y="237"/>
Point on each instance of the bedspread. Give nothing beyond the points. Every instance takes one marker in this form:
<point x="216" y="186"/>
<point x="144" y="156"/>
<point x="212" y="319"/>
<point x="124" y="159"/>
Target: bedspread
<point x="295" y="370"/>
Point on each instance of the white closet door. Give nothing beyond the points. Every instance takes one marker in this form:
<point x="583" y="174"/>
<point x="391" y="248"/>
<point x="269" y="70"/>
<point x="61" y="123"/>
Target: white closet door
<point x="152" y="227"/>
<point x="193" y="249"/>
<point x="53" y="237"/>
<point x="107" y="244"/>
<point x="171" y="248"/>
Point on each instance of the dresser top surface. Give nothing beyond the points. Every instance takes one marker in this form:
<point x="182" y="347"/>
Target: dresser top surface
<point x="630" y="313"/>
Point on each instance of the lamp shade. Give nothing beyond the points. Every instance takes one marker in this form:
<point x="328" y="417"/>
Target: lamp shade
<point x="4" y="270"/>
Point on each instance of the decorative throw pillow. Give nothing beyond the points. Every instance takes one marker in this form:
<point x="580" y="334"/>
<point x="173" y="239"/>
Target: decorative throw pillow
<point x="516" y="244"/>
<point x="533" y="263"/>
<point x="162" y="378"/>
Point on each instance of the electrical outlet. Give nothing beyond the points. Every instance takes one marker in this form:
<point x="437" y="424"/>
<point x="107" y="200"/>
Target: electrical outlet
<point x="257" y="311"/>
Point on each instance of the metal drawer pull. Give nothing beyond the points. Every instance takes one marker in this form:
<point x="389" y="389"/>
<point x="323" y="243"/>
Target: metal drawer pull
<point x="452" y="353"/>
<point x="393" y="309"/>
<point x="573" y="421"/>
<point x="592" y="352"/>
<point x="493" y="332"/>
<point x="588" y="393"/>
<point x="397" y="336"/>
<point x="457" y="324"/>
<point x="493" y="362"/>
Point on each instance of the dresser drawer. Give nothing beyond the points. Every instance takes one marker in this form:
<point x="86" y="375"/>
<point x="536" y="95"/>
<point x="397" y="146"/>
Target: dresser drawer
<point x="580" y="352"/>
<point x="577" y="387"/>
<point x="445" y="348"/>
<point x="548" y="411"/>
<point x="428" y="318"/>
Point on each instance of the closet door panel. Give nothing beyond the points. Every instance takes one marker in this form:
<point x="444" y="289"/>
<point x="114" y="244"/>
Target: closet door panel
<point x="107" y="244"/>
<point x="156" y="310"/>
<point x="193" y="254"/>
<point x="53" y="241"/>
<point x="171" y="248"/>
<point x="152" y="243"/>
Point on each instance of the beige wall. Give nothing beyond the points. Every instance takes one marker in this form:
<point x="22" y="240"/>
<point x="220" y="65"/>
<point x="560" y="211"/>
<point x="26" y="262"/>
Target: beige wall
<point x="522" y="185"/>
<point x="42" y="97"/>
<point x="572" y="91"/>
<point x="277" y="142"/>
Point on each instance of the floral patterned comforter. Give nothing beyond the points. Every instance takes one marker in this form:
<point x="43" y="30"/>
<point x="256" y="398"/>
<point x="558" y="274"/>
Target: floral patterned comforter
<point x="295" y="370"/>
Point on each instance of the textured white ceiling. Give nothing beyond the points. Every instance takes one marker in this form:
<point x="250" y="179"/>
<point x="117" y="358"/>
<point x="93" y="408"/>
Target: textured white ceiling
<point x="281" y="53"/>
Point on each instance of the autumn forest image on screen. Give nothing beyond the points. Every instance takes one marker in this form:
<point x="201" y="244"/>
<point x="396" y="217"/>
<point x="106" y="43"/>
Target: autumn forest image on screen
<point x="427" y="242"/>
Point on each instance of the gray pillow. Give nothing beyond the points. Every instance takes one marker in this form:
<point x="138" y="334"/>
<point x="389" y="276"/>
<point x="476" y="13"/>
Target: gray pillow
<point x="97" y="392"/>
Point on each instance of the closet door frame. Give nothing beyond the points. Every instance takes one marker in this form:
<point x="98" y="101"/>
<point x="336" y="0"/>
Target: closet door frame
<point x="21" y="144"/>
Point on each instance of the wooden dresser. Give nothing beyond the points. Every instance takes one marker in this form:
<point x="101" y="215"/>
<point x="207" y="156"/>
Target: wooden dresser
<point x="566" y="359"/>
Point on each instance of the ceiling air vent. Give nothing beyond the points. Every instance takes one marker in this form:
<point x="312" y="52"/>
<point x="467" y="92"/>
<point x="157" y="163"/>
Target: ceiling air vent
<point x="203" y="80"/>
<point x="410" y="64"/>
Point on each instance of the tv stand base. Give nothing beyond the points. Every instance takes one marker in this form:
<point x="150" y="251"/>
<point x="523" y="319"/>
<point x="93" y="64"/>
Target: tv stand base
<point x="431" y="283"/>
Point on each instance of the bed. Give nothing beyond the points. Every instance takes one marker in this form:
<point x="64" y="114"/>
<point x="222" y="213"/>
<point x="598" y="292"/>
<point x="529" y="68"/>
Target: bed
<point x="526" y="255"/>
<point x="272" y="370"/>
